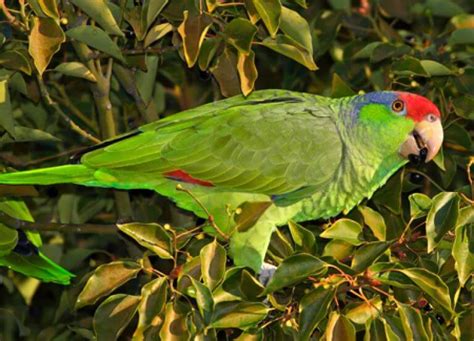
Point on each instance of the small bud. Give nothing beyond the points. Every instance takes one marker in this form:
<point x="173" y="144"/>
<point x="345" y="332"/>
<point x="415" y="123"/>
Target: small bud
<point x="64" y="21"/>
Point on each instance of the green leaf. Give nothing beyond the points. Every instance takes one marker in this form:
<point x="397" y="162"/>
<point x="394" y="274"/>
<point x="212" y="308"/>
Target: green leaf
<point x="443" y="8"/>
<point x="295" y="269"/>
<point x="76" y="69"/>
<point x="344" y="229"/>
<point x="240" y="315"/>
<point x="225" y="72"/>
<point x="8" y="239"/>
<point x="339" y="88"/>
<point x="157" y="32"/>
<point x="303" y="238"/>
<point x="270" y="12"/>
<point x="16" y="60"/>
<point x="192" y="30"/>
<point x="152" y="304"/>
<point x="420" y="205"/>
<point x="239" y="33"/>
<point x="463" y="36"/>
<point x="296" y="27"/>
<point x="174" y="326"/>
<point x="344" y="5"/>
<point x="6" y="114"/>
<point x="24" y="134"/>
<point x="96" y="38"/>
<point x="338" y="249"/>
<point x="441" y="218"/>
<point x="250" y="211"/>
<point x="287" y="47"/>
<point x="49" y="8"/>
<point x="204" y="300"/>
<point x="146" y="80"/>
<point x="432" y="285"/>
<point x="153" y="9"/>
<point x="368" y="254"/>
<point x="433" y="68"/>
<point x="363" y="312"/>
<point x="339" y="328"/>
<point x="100" y="13"/>
<point x="105" y="279"/>
<point x="152" y="236"/>
<point x="313" y="308"/>
<point x="463" y="244"/>
<point x="412" y="322"/>
<point x="366" y="51"/>
<point x="207" y="53"/>
<point x="375" y="221"/>
<point x="213" y="259"/>
<point x="248" y="75"/>
<point x="45" y="40"/>
<point x="113" y="315"/>
<point x="250" y="287"/>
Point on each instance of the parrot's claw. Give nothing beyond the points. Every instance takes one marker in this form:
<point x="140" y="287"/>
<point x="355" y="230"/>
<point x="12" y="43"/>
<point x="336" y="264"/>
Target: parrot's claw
<point x="266" y="273"/>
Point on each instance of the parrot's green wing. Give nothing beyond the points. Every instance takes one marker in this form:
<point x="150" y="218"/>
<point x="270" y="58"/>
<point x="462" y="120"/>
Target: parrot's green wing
<point x="36" y="264"/>
<point x="265" y="144"/>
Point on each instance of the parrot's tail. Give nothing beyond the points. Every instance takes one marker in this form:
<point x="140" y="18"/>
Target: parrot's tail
<point x="77" y="174"/>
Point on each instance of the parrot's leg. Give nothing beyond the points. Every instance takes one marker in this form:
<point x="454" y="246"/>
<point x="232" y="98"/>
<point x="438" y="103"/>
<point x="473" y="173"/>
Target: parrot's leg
<point x="266" y="273"/>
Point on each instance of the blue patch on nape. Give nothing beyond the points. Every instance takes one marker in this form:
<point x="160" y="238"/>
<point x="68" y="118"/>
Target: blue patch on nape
<point x="377" y="97"/>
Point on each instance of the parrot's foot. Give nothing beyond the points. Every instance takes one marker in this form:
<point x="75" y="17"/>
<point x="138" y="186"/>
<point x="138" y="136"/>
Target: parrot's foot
<point x="266" y="273"/>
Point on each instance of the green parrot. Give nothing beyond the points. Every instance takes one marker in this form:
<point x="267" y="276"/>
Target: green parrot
<point x="277" y="154"/>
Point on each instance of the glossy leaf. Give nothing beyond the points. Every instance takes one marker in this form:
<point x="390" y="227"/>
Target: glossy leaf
<point x="339" y="328"/>
<point x="375" y="221"/>
<point x="238" y="314"/>
<point x="293" y="270"/>
<point x="412" y="323"/>
<point x="213" y="259"/>
<point x="296" y="27"/>
<point x="96" y="38"/>
<point x="363" y="312"/>
<point x="420" y="205"/>
<point x="152" y="236"/>
<point x="441" y="218"/>
<point x="157" y="32"/>
<point x="462" y="36"/>
<point x="433" y="68"/>
<point x="16" y="60"/>
<point x="113" y="315"/>
<point x="76" y="69"/>
<point x="8" y="239"/>
<point x="286" y="46"/>
<point x="239" y="33"/>
<point x="344" y="229"/>
<point x="45" y="40"/>
<point x="367" y="254"/>
<point x="105" y="279"/>
<point x="464" y="244"/>
<point x="153" y="9"/>
<point x="100" y="13"/>
<point x="313" y="308"/>
<point x="152" y="303"/>
<point x="174" y="325"/>
<point x="270" y="12"/>
<point x="303" y="238"/>
<point x="204" y="300"/>
<point x="6" y="114"/>
<point x="250" y="212"/>
<point x="192" y="30"/>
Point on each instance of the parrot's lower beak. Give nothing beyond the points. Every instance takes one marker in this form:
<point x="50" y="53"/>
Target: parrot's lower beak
<point x="424" y="142"/>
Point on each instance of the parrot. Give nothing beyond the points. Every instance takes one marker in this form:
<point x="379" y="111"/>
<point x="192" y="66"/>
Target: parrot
<point x="254" y="163"/>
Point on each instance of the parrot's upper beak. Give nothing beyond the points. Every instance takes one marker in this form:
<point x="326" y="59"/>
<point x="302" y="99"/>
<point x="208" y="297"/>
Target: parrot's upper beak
<point x="424" y="141"/>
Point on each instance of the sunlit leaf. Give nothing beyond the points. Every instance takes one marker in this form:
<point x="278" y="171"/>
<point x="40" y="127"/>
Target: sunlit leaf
<point x="374" y="220"/>
<point x="270" y="12"/>
<point x="16" y="60"/>
<point x="238" y="314"/>
<point x="192" y="30"/>
<point x="296" y="27"/>
<point x="174" y="326"/>
<point x="239" y="33"/>
<point x="99" y="12"/>
<point x="6" y="114"/>
<point x="213" y="259"/>
<point x="367" y="254"/>
<point x="45" y="40"/>
<point x="153" y="9"/>
<point x="294" y="269"/>
<point x="464" y="244"/>
<point x="113" y="315"/>
<point x="339" y="328"/>
<point x="363" y="312"/>
<point x="285" y="46"/>
<point x="344" y="229"/>
<point x="412" y="322"/>
<point x="303" y="238"/>
<point x="313" y="307"/>
<point x="420" y="205"/>
<point x="96" y="38"/>
<point x="76" y="69"/>
<point x="8" y="239"/>
<point x="251" y="211"/>
<point x="105" y="279"/>
<point x="435" y="69"/>
<point x="157" y="32"/>
<point x="50" y="8"/>
<point x="204" y="300"/>
<point x="152" y="236"/>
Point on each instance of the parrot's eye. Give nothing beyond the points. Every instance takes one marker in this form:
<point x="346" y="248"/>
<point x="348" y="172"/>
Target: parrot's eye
<point x="398" y="105"/>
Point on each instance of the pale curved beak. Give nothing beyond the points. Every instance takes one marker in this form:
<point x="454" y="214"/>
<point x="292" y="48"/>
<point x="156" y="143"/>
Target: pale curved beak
<point x="424" y="142"/>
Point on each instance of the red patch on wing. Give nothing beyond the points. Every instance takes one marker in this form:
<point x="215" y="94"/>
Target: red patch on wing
<point x="418" y="106"/>
<point x="181" y="175"/>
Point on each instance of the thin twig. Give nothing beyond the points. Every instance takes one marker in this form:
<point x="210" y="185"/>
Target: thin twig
<point x="210" y="218"/>
<point x="35" y="226"/>
<point x="49" y="101"/>
<point x="10" y="17"/>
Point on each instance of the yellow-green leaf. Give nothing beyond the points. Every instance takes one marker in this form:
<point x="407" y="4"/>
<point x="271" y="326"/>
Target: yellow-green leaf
<point x="344" y="229"/>
<point x="225" y="72"/>
<point x="157" y="32"/>
<point x="297" y="28"/>
<point x="50" y="8"/>
<point x="441" y="218"/>
<point x="75" y="69"/>
<point x="287" y="47"/>
<point x="239" y="33"/>
<point x="45" y="40"/>
<point x="374" y="220"/>
<point x="339" y="328"/>
<point x="270" y="12"/>
<point x="463" y="244"/>
<point x="213" y="259"/>
<point x="16" y="60"/>
<point x="6" y="114"/>
<point x="238" y="314"/>
<point x="100" y="13"/>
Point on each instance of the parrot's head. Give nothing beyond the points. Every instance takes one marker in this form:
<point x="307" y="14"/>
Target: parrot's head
<point x="423" y="118"/>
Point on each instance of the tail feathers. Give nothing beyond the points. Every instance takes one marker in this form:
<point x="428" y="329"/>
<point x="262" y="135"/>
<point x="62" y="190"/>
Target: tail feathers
<point x="48" y="176"/>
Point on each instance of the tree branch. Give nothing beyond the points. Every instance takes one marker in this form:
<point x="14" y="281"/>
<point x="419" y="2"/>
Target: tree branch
<point x="18" y="224"/>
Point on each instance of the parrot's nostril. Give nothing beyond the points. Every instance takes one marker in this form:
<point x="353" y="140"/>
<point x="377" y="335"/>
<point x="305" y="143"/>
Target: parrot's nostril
<point x="415" y="159"/>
